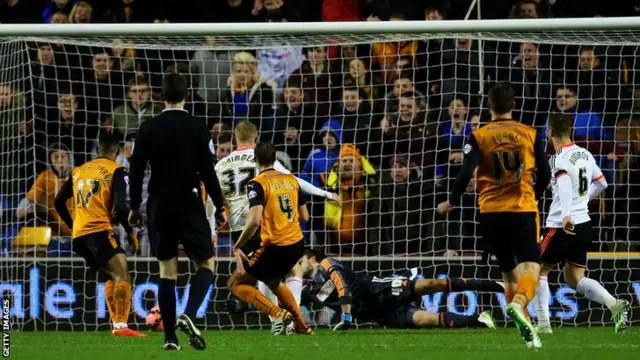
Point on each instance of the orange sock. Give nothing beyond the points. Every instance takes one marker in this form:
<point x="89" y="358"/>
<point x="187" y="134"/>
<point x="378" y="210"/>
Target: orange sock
<point x="122" y="300"/>
<point x="286" y="298"/>
<point x="108" y="294"/>
<point x="509" y="295"/>
<point x="526" y="290"/>
<point x="251" y="295"/>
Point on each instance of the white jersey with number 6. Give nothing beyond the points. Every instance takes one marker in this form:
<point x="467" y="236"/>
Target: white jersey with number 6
<point x="578" y="163"/>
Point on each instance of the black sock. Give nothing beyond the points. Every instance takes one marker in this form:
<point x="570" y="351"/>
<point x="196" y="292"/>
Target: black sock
<point x="451" y="320"/>
<point x="167" y="302"/>
<point x="459" y="284"/>
<point x="197" y="291"/>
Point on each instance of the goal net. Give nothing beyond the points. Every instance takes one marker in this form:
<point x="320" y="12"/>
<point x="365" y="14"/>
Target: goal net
<point x="378" y="116"/>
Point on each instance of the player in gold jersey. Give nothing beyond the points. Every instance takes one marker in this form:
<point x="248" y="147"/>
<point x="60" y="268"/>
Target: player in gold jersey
<point x="98" y="187"/>
<point x="275" y="206"/>
<point x="507" y="154"/>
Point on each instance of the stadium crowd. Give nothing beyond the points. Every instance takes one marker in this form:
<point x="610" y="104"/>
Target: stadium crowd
<point x="382" y="124"/>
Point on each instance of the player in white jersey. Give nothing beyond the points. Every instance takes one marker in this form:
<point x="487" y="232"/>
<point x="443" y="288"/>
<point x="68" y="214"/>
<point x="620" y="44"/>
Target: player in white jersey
<point x="576" y="180"/>
<point x="235" y="171"/>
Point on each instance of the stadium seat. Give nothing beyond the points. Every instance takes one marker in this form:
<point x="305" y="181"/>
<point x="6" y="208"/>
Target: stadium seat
<point x="32" y="241"/>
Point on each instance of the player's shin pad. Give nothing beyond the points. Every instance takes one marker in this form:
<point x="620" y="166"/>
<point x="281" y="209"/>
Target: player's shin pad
<point x="122" y="296"/>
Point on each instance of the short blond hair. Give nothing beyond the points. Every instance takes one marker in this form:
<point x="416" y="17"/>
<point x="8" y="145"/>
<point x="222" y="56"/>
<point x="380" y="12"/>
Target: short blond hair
<point x="245" y="58"/>
<point x="245" y="131"/>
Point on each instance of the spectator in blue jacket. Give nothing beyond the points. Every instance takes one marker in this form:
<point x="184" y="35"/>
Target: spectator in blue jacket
<point x="55" y="6"/>
<point x="323" y="157"/>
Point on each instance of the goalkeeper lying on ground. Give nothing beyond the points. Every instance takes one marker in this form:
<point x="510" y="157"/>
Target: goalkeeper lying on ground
<point x="393" y="301"/>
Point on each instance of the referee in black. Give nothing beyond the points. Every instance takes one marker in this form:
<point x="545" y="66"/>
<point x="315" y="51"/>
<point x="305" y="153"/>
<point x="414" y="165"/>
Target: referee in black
<point x="176" y="145"/>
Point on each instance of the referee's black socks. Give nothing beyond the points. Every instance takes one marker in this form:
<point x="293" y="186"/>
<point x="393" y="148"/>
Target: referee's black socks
<point x="197" y="291"/>
<point x="167" y="302"/>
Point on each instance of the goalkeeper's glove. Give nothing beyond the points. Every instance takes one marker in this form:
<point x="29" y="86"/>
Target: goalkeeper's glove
<point x="235" y="305"/>
<point x="134" y="243"/>
<point x="345" y="322"/>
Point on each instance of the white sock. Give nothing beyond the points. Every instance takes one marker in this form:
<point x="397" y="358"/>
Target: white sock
<point x="541" y="301"/>
<point x="119" y="325"/>
<point x="593" y="291"/>
<point x="295" y="285"/>
<point x="264" y="289"/>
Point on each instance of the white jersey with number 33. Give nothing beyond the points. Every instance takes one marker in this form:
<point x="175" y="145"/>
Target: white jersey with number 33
<point x="578" y="163"/>
<point x="234" y="172"/>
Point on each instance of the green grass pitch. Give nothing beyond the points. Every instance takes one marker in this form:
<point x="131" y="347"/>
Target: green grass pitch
<point x="565" y="344"/>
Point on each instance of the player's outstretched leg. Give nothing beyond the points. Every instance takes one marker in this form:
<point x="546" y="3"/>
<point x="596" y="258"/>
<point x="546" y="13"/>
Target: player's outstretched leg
<point x="118" y="292"/>
<point x="243" y="286"/>
<point x="541" y="302"/>
<point x="288" y="301"/>
<point x="197" y="291"/>
<point x="430" y="286"/>
<point x="525" y="291"/>
<point x="422" y="318"/>
<point x="167" y="301"/>
<point x="594" y="291"/>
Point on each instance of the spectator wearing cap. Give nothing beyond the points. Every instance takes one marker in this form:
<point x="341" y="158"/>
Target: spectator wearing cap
<point x="57" y="6"/>
<point x="407" y="209"/>
<point x="39" y="201"/>
<point x="323" y="156"/>
<point x="354" y="221"/>
<point x="137" y="109"/>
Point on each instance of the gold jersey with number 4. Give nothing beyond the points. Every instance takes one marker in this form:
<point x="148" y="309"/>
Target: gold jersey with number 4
<point x="280" y="198"/>
<point x="93" y="196"/>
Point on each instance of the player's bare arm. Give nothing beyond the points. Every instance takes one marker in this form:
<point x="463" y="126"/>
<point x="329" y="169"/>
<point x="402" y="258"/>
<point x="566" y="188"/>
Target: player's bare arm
<point x="65" y="193"/>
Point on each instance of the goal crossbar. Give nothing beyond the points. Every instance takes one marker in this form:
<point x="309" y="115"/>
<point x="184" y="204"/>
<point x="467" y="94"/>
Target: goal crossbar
<point x="321" y="28"/>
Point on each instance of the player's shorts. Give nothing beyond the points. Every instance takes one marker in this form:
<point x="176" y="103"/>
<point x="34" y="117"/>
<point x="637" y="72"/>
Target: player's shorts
<point x="274" y="262"/>
<point x="558" y="246"/>
<point x="512" y="237"/>
<point x="172" y="221"/>
<point x="97" y="248"/>
<point x="251" y="246"/>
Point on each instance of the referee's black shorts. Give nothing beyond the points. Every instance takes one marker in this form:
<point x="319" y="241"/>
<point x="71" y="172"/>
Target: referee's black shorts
<point x="179" y="220"/>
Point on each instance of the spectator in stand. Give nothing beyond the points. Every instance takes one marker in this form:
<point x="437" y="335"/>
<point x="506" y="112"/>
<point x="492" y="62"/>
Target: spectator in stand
<point x="138" y="108"/>
<point x="402" y="84"/>
<point x="124" y="57"/>
<point x="386" y="55"/>
<point x="531" y="78"/>
<point x="81" y="13"/>
<point x="71" y="127"/>
<point x="103" y="88"/>
<point x="341" y="10"/>
<point x="13" y="152"/>
<point x="236" y="11"/>
<point x="39" y="201"/>
<point x="474" y="120"/>
<point x="407" y="209"/>
<point x="355" y="219"/>
<point x="18" y="11"/>
<point x="295" y="150"/>
<point x="127" y="11"/>
<point x="432" y="13"/>
<point x="324" y="156"/>
<point x="354" y="113"/>
<point x="60" y="17"/>
<point x="48" y="72"/>
<point x="213" y="68"/>
<point x="220" y="127"/>
<point x="294" y="112"/>
<point x="453" y="133"/>
<point x="317" y="80"/>
<point x="57" y="6"/>
<point x="527" y="9"/>
<point x="589" y="132"/>
<point x="248" y="96"/>
<point x="224" y="145"/>
<point x="365" y="80"/>
<point x="403" y="133"/>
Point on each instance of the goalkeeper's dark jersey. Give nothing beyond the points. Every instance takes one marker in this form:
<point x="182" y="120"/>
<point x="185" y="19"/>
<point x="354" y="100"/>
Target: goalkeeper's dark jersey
<point x="334" y="285"/>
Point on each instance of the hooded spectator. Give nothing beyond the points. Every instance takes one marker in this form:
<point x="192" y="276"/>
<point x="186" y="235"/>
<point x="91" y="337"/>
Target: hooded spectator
<point x="323" y="156"/>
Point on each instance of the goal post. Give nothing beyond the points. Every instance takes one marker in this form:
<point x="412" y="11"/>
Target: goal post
<point x="406" y="93"/>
